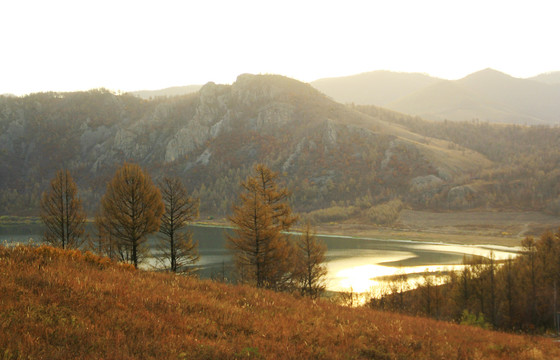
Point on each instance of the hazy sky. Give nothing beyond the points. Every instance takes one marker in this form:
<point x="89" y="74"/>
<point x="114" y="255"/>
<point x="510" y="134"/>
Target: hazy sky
<point x="131" y="45"/>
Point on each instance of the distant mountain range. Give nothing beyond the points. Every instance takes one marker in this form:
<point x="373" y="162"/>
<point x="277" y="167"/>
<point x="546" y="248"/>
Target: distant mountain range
<point x="379" y="88"/>
<point x="548" y="78"/>
<point x="487" y="95"/>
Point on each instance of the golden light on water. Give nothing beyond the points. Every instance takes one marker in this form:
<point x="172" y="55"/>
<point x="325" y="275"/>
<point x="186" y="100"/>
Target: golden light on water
<point x="361" y="278"/>
<point x="367" y="278"/>
<point x="368" y="274"/>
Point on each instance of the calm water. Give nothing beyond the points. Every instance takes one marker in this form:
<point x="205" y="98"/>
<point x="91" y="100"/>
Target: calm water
<point x="358" y="264"/>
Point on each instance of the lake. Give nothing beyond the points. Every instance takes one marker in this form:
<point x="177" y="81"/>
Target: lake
<point x="354" y="264"/>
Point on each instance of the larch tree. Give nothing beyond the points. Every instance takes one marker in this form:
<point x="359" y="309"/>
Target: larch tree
<point x="62" y="212"/>
<point x="261" y="250"/>
<point x="106" y="244"/>
<point x="131" y="209"/>
<point x="176" y="247"/>
<point x="311" y="268"/>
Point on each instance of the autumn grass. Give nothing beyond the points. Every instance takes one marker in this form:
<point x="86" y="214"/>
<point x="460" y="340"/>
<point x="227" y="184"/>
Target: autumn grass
<point x="57" y="304"/>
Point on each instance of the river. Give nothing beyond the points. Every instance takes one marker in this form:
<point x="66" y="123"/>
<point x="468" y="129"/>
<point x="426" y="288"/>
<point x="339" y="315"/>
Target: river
<point x="354" y="264"/>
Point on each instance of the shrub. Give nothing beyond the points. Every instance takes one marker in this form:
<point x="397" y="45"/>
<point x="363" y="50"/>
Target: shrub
<point x="471" y="319"/>
<point x="333" y="213"/>
<point x="385" y="214"/>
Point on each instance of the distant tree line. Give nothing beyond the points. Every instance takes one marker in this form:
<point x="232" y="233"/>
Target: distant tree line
<point x="520" y="293"/>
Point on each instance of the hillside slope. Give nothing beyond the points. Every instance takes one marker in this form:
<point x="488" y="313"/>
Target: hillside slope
<point x="57" y="304"/>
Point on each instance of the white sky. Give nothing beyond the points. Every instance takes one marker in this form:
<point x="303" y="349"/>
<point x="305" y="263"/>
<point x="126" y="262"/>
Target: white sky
<point x="57" y="45"/>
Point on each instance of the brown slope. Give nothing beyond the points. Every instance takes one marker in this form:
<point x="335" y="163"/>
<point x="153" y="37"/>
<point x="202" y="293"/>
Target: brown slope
<point x="449" y="160"/>
<point x="58" y="304"/>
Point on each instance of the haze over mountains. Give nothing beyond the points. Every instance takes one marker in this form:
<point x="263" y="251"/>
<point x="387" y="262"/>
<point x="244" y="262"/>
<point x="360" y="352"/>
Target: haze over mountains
<point x="552" y="77"/>
<point x="487" y="95"/>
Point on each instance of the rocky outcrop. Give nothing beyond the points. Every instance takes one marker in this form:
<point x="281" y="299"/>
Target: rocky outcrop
<point x="186" y="140"/>
<point x="329" y="133"/>
<point x="210" y="116"/>
<point x="91" y="137"/>
<point x="273" y="116"/>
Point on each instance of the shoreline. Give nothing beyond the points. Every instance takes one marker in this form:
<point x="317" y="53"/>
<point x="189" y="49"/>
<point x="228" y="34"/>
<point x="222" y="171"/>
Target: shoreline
<point x="413" y="226"/>
<point x="364" y="231"/>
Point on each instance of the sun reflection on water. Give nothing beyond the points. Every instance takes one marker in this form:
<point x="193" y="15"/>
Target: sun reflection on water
<point x="370" y="272"/>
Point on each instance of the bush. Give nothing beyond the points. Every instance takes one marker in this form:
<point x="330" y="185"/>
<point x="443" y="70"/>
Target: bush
<point x="334" y="213"/>
<point x="470" y="319"/>
<point x="385" y="214"/>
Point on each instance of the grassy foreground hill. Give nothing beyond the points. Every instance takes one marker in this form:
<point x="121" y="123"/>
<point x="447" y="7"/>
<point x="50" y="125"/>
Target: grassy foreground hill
<point x="57" y="304"/>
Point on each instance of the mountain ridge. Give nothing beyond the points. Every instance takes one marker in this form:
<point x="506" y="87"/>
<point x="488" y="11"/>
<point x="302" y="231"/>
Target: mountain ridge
<point x="367" y="92"/>
<point x="552" y="77"/>
<point x="494" y="97"/>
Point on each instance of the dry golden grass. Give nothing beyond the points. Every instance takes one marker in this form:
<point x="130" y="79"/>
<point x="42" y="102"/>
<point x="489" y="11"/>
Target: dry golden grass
<point x="57" y="304"/>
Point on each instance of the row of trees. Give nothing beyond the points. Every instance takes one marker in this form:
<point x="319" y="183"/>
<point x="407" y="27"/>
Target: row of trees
<point x="134" y="207"/>
<point x="515" y="294"/>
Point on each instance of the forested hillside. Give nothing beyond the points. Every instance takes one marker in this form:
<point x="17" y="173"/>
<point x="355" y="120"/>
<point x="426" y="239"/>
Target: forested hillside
<point x="340" y="161"/>
<point x="526" y="174"/>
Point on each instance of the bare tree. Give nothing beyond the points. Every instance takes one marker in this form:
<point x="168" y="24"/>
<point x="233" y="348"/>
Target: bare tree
<point x="399" y="285"/>
<point x="311" y="257"/>
<point x="62" y="212"/>
<point x="131" y="209"/>
<point x="176" y="247"/>
<point x="106" y="244"/>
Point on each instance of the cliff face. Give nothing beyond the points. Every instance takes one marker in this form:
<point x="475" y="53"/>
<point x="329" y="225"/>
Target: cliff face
<point x="327" y="151"/>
